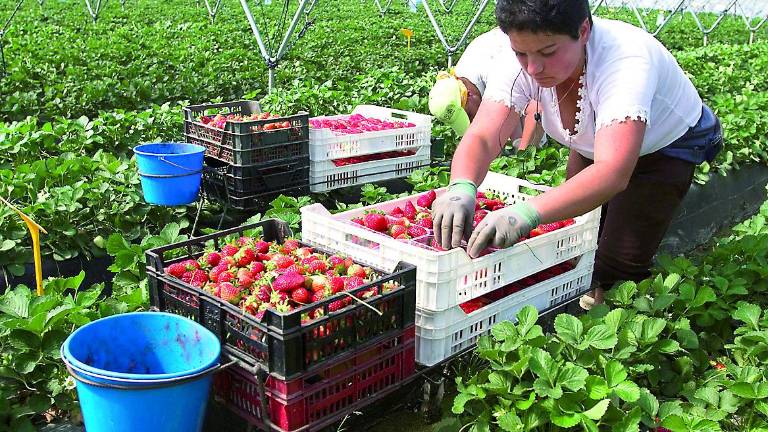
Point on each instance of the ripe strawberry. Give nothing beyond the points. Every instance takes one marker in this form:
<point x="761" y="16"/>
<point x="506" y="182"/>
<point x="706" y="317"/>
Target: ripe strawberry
<point x="212" y="258"/>
<point x="417" y="231"/>
<point x="309" y="259"/>
<point x="288" y="282"/>
<point x="426" y="200"/>
<point x="567" y="222"/>
<point x="353" y="282"/>
<point x="264" y="293"/>
<point x="549" y="227"/>
<point x="303" y="252"/>
<point x="396" y="212"/>
<point x="199" y="278"/>
<point x="244" y="278"/>
<point x="225" y="276"/>
<point x="264" y="257"/>
<point x="337" y="284"/>
<point x="257" y="267"/>
<point x="426" y="222"/>
<point x="230" y="293"/>
<point x="335" y="306"/>
<point x="216" y="271"/>
<point x="403" y="236"/>
<point x="376" y="221"/>
<point x="300" y="295"/>
<point x="409" y="211"/>
<point x="290" y="245"/>
<point x="397" y="230"/>
<point x="176" y="270"/>
<point x="317" y="266"/>
<point x="480" y="195"/>
<point x="242" y="241"/>
<point x="245" y="256"/>
<point x="356" y="270"/>
<point x="435" y="245"/>
<point x="536" y="232"/>
<point x="359" y="221"/>
<point x="261" y="247"/>
<point x="229" y="250"/>
<point x="318" y="296"/>
<point x="335" y="260"/>
<point x="283" y="261"/>
<point x="296" y="269"/>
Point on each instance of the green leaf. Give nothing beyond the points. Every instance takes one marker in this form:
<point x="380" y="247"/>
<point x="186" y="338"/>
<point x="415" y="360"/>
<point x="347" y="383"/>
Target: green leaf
<point x="648" y="403"/>
<point x="566" y="420"/>
<point x="459" y="401"/>
<point x="597" y="388"/>
<point x="87" y="298"/>
<point x="16" y="303"/>
<point x="541" y="364"/>
<point x="688" y="339"/>
<point x="116" y="243"/>
<point x="24" y="340"/>
<point x="510" y="422"/>
<point x="600" y="337"/>
<point x="524" y="404"/>
<point x="652" y="328"/>
<point x="598" y="410"/>
<point x="615" y="373"/>
<point x="7" y="245"/>
<point x="627" y="391"/>
<point x="504" y="331"/>
<point x="748" y="313"/>
<point x="544" y="388"/>
<point x="572" y="377"/>
<point x="26" y="362"/>
<point x="568" y="328"/>
<point x="668" y="346"/>
<point x="614" y="319"/>
<point x="708" y="395"/>
<point x="52" y="342"/>
<point x="669" y="408"/>
<point x="630" y="422"/>
<point x="750" y="391"/>
<point x="526" y="319"/>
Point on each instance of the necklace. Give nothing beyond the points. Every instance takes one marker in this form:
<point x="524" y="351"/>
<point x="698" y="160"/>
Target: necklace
<point x="569" y="89"/>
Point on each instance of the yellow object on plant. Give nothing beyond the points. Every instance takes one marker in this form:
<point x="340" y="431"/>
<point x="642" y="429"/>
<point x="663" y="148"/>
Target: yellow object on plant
<point x="34" y="231"/>
<point x="408" y="33"/>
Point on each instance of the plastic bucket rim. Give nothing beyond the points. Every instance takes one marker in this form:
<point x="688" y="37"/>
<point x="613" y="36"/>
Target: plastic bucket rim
<point x="194" y="149"/>
<point x="81" y="367"/>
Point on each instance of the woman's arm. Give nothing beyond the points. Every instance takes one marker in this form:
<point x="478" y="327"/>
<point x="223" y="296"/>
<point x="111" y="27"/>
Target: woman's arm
<point x="617" y="148"/>
<point x="483" y="141"/>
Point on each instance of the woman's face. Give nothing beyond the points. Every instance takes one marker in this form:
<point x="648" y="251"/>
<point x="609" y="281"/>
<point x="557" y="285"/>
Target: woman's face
<point x="549" y="58"/>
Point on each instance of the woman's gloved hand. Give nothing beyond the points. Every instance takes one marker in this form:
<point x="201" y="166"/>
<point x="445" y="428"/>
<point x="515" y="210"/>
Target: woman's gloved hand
<point x="453" y="212"/>
<point x="503" y="228"/>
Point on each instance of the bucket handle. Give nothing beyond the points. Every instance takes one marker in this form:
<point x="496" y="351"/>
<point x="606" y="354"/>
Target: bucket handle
<point x="194" y="171"/>
<point x="156" y="384"/>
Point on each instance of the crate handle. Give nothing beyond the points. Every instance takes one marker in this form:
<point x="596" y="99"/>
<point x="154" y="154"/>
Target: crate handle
<point x="364" y="303"/>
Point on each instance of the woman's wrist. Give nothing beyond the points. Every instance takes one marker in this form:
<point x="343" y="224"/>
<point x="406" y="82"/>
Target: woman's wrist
<point x="463" y="185"/>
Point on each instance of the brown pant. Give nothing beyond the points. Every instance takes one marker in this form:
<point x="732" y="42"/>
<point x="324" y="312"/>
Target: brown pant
<point x="633" y="222"/>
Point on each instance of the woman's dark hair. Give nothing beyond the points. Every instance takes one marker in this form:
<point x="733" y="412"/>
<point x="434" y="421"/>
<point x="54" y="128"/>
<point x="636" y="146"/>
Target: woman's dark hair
<point x="543" y="16"/>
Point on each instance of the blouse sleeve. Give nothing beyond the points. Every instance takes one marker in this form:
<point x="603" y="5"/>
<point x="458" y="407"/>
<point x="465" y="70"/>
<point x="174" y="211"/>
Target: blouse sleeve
<point x="509" y="85"/>
<point x="625" y="88"/>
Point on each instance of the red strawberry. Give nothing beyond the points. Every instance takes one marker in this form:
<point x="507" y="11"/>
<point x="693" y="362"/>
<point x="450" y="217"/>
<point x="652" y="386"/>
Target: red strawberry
<point x="283" y="261"/>
<point x="245" y="256"/>
<point x="409" y="211"/>
<point x="289" y="246"/>
<point x="335" y="260"/>
<point x="229" y="293"/>
<point x="337" y="284"/>
<point x="426" y="222"/>
<point x="199" y="278"/>
<point x="296" y="269"/>
<point x="376" y="221"/>
<point x="257" y="267"/>
<point x="261" y="247"/>
<point x="176" y="270"/>
<point x="300" y="295"/>
<point x="356" y="270"/>
<point x="335" y="306"/>
<point x="303" y="252"/>
<point x="229" y="250"/>
<point x="480" y="195"/>
<point x="263" y="257"/>
<point x="288" y="282"/>
<point x="244" y="278"/>
<point x="318" y="295"/>
<point x="403" y="236"/>
<point x="397" y="230"/>
<point x="425" y="200"/>
<point x="435" y="245"/>
<point x="567" y="222"/>
<point x="213" y="258"/>
<point x="353" y="282"/>
<point x="317" y="266"/>
<point x="242" y="241"/>
<point x="264" y="294"/>
<point x="536" y="232"/>
<point x="417" y="231"/>
<point x="226" y="276"/>
<point x="359" y="221"/>
<point x="396" y="212"/>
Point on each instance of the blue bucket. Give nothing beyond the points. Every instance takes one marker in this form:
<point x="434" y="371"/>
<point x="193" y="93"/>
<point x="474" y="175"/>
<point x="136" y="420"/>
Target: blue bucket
<point x="170" y="172"/>
<point x="142" y="371"/>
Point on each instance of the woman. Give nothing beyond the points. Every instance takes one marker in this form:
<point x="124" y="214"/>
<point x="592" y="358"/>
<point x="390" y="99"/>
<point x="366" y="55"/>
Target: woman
<point x="635" y="125"/>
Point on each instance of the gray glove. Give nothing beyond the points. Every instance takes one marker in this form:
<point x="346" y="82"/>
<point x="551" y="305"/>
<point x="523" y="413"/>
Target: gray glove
<point x="503" y="228"/>
<point x="452" y="213"/>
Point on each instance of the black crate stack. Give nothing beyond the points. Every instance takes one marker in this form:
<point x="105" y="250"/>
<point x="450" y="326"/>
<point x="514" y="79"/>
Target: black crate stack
<point x="250" y="162"/>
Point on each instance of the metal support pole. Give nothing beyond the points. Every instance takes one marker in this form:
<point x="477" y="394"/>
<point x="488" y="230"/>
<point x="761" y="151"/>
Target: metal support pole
<point x="450" y="50"/>
<point x="707" y="31"/>
<point x="212" y="11"/>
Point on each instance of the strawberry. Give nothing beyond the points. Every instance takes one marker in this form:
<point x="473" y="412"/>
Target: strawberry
<point x="426" y="222"/>
<point x="296" y="269"/>
<point x="245" y="256"/>
<point x="230" y="293"/>
<point x="225" y="276"/>
<point x="300" y="295"/>
<point x="288" y="282"/>
<point x="257" y="267"/>
<point x="426" y="200"/>
<point x="318" y="282"/>
<point x="283" y="261"/>
<point x="536" y="232"/>
<point x="229" y="250"/>
<point x="199" y="278"/>
<point x="264" y="257"/>
<point x="212" y="258"/>
<point x="335" y="260"/>
<point x="335" y="306"/>
<point x="356" y="270"/>
<point x="264" y="293"/>
<point x="481" y="195"/>
<point x="244" y="278"/>
<point x="409" y="211"/>
<point x="317" y="266"/>
<point x="289" y="246"/>
<point x="242" y="241"/>
<point x="359" y="221"/>
<point x="214" y="273"/>
<point x="472" y="305"/>
<point x="435" y="245"/>
<point x="303" y="252"/>
<point x="376" y="221"/>
<point x="567" y="222"/>
<point x="396" y="230"/>
<point x="549" y="227"/>
<point x="417" y="231"/>
<point x="318" y="295"/>
<point x="403" y="236"/>
<point x="176" y="270"/>
<point x="396" y="212"/>
<point x="337" y="284"/>
<point x="353" y="282"/>
<point x="261" y="247"/>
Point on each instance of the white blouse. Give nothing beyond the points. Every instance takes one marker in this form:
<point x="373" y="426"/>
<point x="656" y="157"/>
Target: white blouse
<point x="629" y="75"/>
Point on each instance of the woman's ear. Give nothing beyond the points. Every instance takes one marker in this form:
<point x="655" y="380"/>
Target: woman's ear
<point x="584" y="31"/>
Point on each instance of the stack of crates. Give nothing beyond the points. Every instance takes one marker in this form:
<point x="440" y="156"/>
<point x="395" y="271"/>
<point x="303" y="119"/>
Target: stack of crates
<point x="249" y="161"/>
<point x="290" y="374"/>
<point x="543" y="271"/>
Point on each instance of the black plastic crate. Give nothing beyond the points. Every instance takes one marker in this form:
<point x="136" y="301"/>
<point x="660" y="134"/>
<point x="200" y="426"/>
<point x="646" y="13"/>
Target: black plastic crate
<point x="250" y="187"/>
<point x="281" y="344"/>
<point x="239" y="143"/>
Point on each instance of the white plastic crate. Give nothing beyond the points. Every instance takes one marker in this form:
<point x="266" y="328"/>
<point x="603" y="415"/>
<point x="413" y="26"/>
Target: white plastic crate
<point x="325" y="145"/>
<point x="446" y="279"/>
<point x="440" y="335"/>
<point x="325" y="176"/>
